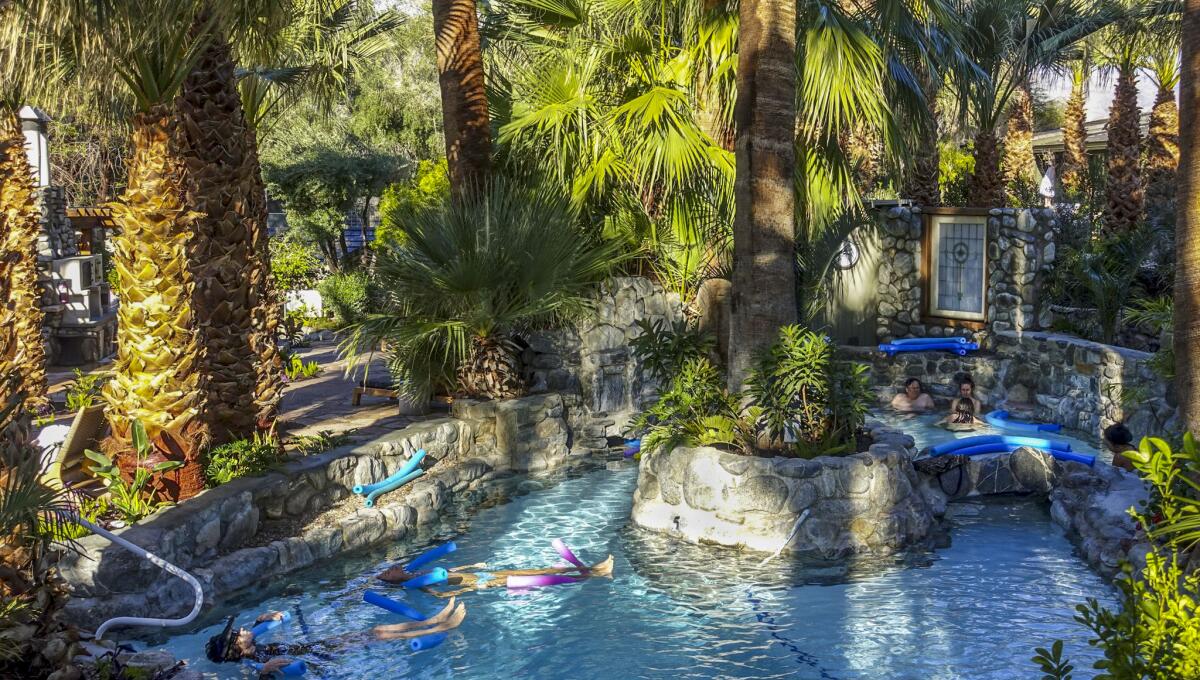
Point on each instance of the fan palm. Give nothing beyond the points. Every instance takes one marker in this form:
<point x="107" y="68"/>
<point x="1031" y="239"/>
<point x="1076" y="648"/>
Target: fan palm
<point x="473" y="275"/>
<point x="1123" y="50"/>
<point x="1074" y="163"/>
<point x="1162" y="139"/>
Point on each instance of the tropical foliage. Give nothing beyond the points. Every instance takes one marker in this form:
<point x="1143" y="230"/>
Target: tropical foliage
<point x="242" y="458"/>
<point x="137" y="494"/>
<point x="663" y="349"/>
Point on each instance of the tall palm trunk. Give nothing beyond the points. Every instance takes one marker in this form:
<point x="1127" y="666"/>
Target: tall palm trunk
<point x="19" y="220"/>
<point x="1018" y="166"/>
<point x="1187" y="230"/>
<point x="1124" y="190"/>
<point x="464" y="99"/>
<point x="156" y="378"/>
<point x="1162" y="159"/>
<point x="986" y="188"/>
<point x="222" y="257"/>
<point x="267" y="312"/>
<point x="764" y="228"/>
<point x="922" y="174"/>
<point x="1074" y="164"/>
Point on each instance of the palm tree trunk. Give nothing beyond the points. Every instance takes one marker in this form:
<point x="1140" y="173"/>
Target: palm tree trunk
<point x="764" y="227"/>
<point x="19" y="219"/>
<point x="986" y="189"/>
<point x="1187" y="230"/>
<point x="156" y="378"/>
<point x="1074" y="165"/>
<point x="1124" y="189"/>
<point x="1018" y="166"/>
<point x="1162" y="159"/>
<point x="464" y="99"/>
<point x="921" y="180"/>
<point x="267" y="310"/>
<point x="219" y="178"/>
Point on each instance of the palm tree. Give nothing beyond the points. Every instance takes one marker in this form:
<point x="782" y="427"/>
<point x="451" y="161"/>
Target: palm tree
<point x="1074" y="163"/>
<point x="464" y="100"/>
<point x="1018" y="168"/>
<point x="922" y="175"/>
<point x="1162" y="140"/>
<point x="1125" y="191"/>
<point x="1187" y="230"/>
<point x="764" y="228"/>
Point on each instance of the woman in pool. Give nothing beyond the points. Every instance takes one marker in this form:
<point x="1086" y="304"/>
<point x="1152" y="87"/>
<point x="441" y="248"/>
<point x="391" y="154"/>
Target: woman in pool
<point x="965" y="409"/>
<point x="236" y="644"/>
<point x="472" y="577"/>
<point x="913" y="398"/>
<point x="1119" y="440"/>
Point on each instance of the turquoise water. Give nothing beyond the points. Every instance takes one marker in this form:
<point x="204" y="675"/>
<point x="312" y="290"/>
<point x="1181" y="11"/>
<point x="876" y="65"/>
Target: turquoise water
<point x="925" y="432"/>
<point x="976" y="609"/>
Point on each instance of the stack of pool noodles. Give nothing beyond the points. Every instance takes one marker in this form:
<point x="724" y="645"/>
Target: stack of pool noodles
<point x="994" y="443"/>
<point x="1001" y="420"/>
<point x="632" y="447"/>
<point x="418" y="643"/>
<point x="959" y="346"/>
<point x="539" y="580"/>
<point x="293" y="669"/>
<point x="433" y="576"/>
<point x="407" y="472"/>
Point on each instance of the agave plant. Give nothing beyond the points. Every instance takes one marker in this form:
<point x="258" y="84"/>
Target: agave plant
<point x="470" y="278"/>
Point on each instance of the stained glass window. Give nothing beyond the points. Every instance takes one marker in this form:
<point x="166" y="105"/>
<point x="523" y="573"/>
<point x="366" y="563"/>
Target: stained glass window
<point x="959" y="266"/>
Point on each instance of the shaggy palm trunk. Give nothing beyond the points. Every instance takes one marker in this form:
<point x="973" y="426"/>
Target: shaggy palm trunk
<point x="222" y="255"/>
<point x="267" y="313"/>
<point x="764" y="228"/>
<point x="863" y="148"/>
<point x="1018" y="166"/>
<point x="986" y="189"/>
<point x="464" y="99"/>
<point x="492" y="370"/>
<point x="923" y="172"/>
<point x="19" y="220"/>
<point x="1162" y="160"/>
<point x="156" y="378"/>
<point x="1125" y="195"/>
<point x="1074" y="163"/>
<point x="1187" y="230"/>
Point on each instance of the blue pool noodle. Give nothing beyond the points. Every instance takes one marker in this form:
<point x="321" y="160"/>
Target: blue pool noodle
<point x="391" y="486"/>
<point x="409" y="466"/>
<point x="432" y="577"/>
<point x="985" y="449"/>
<point x="957" y="347"/>
<point x="1016" y="440"/>
<point x="930" y="341"/>
<point x="385" y="602"/>
<point x="426" y="641"/>
<point x="1000" y="419"/>
<point x="294" y="669"/>
<point x="430" y="555"/>
<point x="262" y="628"/>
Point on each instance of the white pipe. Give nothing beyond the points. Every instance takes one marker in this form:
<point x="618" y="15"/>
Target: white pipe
<point x="795" y="530"/>
<point x="162" y="564"/>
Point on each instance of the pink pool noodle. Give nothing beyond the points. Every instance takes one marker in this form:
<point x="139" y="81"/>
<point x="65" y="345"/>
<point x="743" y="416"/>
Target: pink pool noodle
<point x="540" y="580"/>
<point x="566" y="554"/>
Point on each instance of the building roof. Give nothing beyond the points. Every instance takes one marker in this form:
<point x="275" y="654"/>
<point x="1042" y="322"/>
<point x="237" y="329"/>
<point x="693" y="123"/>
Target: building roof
<point x="1051" y="141"/>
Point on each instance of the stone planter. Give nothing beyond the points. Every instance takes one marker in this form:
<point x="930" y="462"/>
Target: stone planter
<point x="867" y="503"/>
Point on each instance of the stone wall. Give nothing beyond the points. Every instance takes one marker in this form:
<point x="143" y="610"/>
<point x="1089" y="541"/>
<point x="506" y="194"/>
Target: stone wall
<point x="1082" y="385"/>
<point x="57" y="238"/>
<point x="1021" y="247"/>
<point x="255" y="528"/>
<point x="860" y="504"/>
<point x="592" y="364"/>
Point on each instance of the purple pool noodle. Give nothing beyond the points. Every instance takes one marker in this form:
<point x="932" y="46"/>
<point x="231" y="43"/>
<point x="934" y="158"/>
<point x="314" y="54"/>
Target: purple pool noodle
<point x="426" y="641"/>
<point x="567" y="554"/>
<point x="540" y="580"/>
<point x="432" y="577"/>
<point x="631" y="452"/>
<point x="294" y="669"/>
<point x="385" y="602"/>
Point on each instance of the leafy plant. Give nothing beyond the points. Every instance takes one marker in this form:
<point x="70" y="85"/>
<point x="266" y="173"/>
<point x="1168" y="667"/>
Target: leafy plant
<point x="131" y="498"/>
<point x="1156" y="315"/>
<point x="92" y="509"/>
<point x="806" y="395"/>
<point x="242" y="458"/>
<point x="348" y="295"/>
<point x="662" y="350"/>
<point x="312" y="444"/>
<point x="85" y="389"/>
<point x="1104" y="276"/>
<point x="473" y="274"/>
<point x="695" y="410"/>
<point x="429" y="187"/>
<point x="294" y="264"/>
<point x="295" y="368"/>
<point x="1051" y="663"/>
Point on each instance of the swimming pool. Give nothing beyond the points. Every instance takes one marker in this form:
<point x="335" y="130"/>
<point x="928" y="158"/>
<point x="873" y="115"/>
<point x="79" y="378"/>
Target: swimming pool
<point x="925" y="432"/>
<point x="1007" y="583"/>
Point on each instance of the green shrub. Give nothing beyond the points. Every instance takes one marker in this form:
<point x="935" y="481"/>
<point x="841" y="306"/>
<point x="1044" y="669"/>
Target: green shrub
<point x="296" y="368"/>
<point x="955" y="166"/>
<point x="662" y="350"/>
<point x="348" y="295"/>
<point x="402" y="200"/>
<point x="1104" y="276"/>
<point x="295" y="265"/>
<point x="695" y="410"/>
<point x="133" y="499"/>
<point x="92" y="509"/>
<point x="242" y="458"/>
<point x="312" y="444"/>
<point x="85" y="389"/>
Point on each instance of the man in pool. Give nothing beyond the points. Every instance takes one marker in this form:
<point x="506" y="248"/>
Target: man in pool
<point x="913" y="398"/>
<point x="473" y="577"/>
<point x="236" y="644"/>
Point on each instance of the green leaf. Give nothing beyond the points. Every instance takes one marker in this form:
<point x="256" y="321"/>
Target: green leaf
<point x="141" y="443"/>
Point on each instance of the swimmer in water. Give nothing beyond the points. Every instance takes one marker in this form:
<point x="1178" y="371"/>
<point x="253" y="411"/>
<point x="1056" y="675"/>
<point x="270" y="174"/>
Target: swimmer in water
<point x="471" y="577"/>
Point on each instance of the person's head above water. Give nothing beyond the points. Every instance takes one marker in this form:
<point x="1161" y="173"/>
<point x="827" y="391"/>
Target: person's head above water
<point x="913" y="388"/>
<point x="1118" y="435"/>
<point x="966" y="387"/>
<point x="231" y="644"/>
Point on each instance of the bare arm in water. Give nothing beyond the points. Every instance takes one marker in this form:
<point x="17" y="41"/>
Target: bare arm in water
<point x="463" y="581"/>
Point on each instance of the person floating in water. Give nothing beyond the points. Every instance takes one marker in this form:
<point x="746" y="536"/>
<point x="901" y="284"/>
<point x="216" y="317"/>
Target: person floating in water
<point x="238" y="644"/>
<point x="965" y="409"/>
<point x="913" y="398"/>
<point x="471" y="577"/>
<point x="1119" y="440"/>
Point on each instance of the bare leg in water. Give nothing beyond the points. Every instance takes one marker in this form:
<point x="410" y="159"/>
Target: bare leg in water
<point x="471" y="577"/>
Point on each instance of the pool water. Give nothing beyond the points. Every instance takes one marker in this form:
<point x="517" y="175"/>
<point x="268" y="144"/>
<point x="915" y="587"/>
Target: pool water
<point x="1008" y="583"/>
<point x="924" y="430"/>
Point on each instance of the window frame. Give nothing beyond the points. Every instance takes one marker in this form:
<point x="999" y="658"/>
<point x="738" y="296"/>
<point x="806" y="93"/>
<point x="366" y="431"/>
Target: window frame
<point x="933" y="223"/>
